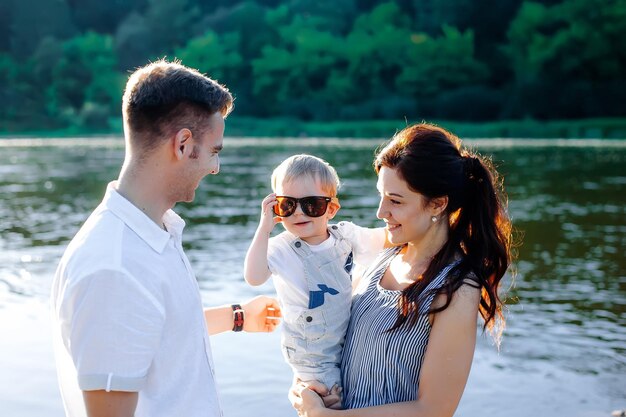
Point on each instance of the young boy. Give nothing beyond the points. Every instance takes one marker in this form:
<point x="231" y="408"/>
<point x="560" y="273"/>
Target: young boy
<point x="312" y="264"/>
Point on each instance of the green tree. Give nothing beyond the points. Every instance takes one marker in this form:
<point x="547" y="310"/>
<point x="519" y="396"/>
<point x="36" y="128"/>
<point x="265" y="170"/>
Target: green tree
<point x="248" y="20"/>
<point x="217" y="56"/>
<point x="8" y="91"/>
<point x="86" y="80"/>
<point x="6" y="14"/>
<point x="171" y="23"/>
<point x="133" y="42"/>
<point x="573" y="39"/>
<point x="437" y="64"/>
<point x="33" y="20"/>
<point x="376" y="51"/>
<point x="297" y="67"/>
<point x="571" y="55"/>
<point x="432" y="15"/>
<point x="338" y="14"/>
<point x="103" y="16"/>
<point x="162" y="28"/>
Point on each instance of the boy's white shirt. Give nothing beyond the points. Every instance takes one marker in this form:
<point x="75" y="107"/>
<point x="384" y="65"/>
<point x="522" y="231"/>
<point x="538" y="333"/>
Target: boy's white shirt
<point x="288" y="270"/>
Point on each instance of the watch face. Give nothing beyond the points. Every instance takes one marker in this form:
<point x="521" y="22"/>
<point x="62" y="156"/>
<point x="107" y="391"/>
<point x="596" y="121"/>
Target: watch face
<point x="238" y="318"/>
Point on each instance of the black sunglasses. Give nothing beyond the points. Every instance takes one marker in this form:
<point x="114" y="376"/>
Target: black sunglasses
<point x="313" y="206"/>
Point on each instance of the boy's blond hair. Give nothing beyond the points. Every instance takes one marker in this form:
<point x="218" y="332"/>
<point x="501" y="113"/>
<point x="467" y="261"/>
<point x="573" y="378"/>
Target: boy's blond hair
<point x="298" y="166"/>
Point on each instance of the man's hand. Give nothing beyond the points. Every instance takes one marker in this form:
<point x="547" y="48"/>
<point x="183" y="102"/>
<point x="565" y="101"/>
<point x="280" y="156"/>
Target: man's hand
<point x="262" y="314"/>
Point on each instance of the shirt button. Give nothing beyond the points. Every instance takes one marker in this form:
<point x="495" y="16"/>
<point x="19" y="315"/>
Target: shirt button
<point x="335" y="227"/>
<point x="309" y="319"/>
<point x="298" y="244"/>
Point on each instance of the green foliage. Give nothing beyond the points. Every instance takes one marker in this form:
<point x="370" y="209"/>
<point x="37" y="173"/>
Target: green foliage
<point x="63" y="62"/>
<point x="85" y="78"/>
<point x="575" y="47"/>
<point x="35" y="19"/>
<point x="212" y="54"/>
<point x="574" y="39"/>
<point x="296" y="67"/>
<point x="441" y="64"/>
<point x="8" y="76"/>
<point x="133" y="42"/>
<point x="103" y="16"/>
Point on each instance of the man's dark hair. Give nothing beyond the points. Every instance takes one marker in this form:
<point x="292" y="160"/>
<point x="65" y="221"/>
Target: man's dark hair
<point x="164" y="97"/>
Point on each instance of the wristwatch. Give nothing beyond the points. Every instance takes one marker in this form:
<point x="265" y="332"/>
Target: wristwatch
<point x="238" y="317"/>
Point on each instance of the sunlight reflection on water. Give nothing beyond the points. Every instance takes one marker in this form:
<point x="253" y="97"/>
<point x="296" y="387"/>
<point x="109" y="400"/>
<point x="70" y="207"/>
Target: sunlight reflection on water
<point x="564" y="349"/>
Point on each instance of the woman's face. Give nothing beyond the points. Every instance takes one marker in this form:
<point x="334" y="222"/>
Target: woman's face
<point x="406" y="212"/>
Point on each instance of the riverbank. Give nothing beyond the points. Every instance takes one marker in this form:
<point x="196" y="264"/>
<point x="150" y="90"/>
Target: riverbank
<point x="606" y="128"/>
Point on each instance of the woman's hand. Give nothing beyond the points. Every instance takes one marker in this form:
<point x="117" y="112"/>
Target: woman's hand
<point x="306" y="401"/>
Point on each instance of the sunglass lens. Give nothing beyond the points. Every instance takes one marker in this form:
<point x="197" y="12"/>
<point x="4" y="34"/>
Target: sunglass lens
<point x="314" y="206"/>
<point x="285" y="206"/>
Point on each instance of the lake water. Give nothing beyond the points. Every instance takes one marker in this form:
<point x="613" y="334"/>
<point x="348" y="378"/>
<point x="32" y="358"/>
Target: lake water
<point x="563" y="353"/>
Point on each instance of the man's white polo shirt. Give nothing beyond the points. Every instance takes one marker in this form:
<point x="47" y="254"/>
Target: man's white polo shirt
<point x="127" y="315"/>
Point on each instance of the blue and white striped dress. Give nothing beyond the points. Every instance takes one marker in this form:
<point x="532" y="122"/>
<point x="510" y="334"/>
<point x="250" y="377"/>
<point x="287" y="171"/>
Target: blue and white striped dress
<point x="380" y="367"/>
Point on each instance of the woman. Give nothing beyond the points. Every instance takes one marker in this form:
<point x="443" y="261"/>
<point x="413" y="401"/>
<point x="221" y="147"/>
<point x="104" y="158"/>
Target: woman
<point x="412" y="331"/>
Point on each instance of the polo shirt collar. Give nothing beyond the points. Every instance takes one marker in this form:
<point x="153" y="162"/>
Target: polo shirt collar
<point x="140" y="223"/>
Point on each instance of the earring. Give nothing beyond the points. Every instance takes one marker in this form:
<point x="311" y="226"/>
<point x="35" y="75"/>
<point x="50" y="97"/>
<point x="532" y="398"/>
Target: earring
<point x="434" y="219"/>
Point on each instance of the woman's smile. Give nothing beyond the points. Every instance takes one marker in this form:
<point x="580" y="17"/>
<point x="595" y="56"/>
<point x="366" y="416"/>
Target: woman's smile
<point x="391" y="227"/>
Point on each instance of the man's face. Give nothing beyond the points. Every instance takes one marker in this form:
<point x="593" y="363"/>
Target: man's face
<point x="204" y="157"/>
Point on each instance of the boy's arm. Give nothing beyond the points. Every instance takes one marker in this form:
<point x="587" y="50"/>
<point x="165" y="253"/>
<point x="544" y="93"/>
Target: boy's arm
<point x="256" y="270"/>
<point x="368" y="243"/>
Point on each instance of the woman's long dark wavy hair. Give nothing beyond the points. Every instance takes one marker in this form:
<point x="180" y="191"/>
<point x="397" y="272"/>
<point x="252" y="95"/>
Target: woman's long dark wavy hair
<point x="433" y="163"/>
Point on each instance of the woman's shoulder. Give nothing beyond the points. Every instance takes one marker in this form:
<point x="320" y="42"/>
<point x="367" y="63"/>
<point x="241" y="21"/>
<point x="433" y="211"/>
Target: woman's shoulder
<point x="385" y="256"/>
<point x="377" y="266"/>
<point x="467" y="293"/>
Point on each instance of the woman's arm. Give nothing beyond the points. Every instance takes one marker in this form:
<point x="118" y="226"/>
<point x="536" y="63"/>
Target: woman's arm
<point x="450" y="352"/>
<point x="443" y="374"/>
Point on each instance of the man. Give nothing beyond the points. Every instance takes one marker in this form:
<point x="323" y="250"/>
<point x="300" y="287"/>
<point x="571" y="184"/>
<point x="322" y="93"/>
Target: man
<point x="130" y="333"/>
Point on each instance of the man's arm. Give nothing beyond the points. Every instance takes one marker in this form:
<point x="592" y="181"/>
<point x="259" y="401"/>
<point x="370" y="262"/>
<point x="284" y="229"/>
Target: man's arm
<point x="110" y="325"/>
<point x="110" y="404"/>
<point x="261" y="314"/>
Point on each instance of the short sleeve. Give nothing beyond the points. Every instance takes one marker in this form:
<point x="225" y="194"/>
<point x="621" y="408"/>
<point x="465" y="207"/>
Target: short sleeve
<point x="366" y="242"/>
<point x="111" y="326"/>
<point x="277" y="249"/>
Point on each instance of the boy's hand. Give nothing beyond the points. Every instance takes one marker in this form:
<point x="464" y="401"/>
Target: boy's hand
<point x="268" y="220"/>
<point x="330" y="398"/>
<point x="333" y="399"/>
<point x="262" y="314"/>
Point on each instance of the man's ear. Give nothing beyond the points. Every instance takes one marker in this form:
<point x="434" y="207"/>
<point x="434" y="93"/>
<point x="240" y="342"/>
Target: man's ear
<point x="182" y="143"/>
<point x="438" y="205"/>
<point x="333" y="208"/>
